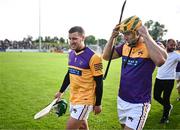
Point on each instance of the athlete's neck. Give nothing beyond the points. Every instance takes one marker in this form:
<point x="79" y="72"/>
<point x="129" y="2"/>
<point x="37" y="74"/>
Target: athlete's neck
<point x="77" y="51"/>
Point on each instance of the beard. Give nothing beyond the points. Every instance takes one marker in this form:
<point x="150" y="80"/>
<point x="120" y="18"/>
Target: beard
<point x="133" y="42"/>
<point x="170" y="49"/>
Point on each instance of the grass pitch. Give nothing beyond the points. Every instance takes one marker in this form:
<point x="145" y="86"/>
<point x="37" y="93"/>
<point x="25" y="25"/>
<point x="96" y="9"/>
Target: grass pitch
<point x="28" y="82"/>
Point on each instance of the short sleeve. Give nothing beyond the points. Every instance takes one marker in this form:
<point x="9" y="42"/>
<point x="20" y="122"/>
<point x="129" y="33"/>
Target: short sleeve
<point x="96" y="65"/>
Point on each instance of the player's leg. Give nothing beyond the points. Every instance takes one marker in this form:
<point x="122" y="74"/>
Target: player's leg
<point x="79" y="116"/>
<point x="73" y="124"/>
<point x="84" y="125"/>
<point x="137" y="116"/>
<point x="132" y="116"/>
<point x="121" y="112"/>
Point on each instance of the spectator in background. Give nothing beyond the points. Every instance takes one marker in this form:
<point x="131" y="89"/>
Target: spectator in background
<point x="165" y="80"/>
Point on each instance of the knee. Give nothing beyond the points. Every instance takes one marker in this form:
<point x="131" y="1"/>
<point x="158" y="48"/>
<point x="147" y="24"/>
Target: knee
<point x="83" y="126"/>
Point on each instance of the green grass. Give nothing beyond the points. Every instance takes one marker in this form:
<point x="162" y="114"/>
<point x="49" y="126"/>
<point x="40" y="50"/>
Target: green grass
<point x="28" y="82"/>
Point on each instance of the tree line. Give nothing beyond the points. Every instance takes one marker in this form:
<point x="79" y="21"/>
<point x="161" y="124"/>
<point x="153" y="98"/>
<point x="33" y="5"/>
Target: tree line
<point x="156" y="30"/>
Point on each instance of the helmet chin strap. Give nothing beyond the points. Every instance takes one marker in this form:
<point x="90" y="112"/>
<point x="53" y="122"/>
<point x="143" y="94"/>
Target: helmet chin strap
<point x="133" y="43"/>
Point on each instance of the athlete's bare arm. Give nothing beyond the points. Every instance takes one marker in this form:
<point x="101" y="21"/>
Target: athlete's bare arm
<point x="108" y="48"/>
<point x="157" y="53"/>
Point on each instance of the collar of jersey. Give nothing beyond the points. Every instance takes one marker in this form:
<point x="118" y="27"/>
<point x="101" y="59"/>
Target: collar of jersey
<point x="80" y="51"/>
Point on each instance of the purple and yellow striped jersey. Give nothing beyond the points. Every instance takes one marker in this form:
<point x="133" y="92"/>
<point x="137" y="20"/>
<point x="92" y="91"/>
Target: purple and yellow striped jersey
<point x="136" y="77"/>
<point x="82" y="67"/>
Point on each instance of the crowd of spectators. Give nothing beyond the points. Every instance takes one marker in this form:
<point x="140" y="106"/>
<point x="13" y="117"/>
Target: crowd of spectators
<point x="24" y="44"/>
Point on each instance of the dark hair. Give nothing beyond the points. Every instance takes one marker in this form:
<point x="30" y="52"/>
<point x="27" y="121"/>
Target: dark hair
<point x="171" y="40"/>
<point x="77" y="29"/>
